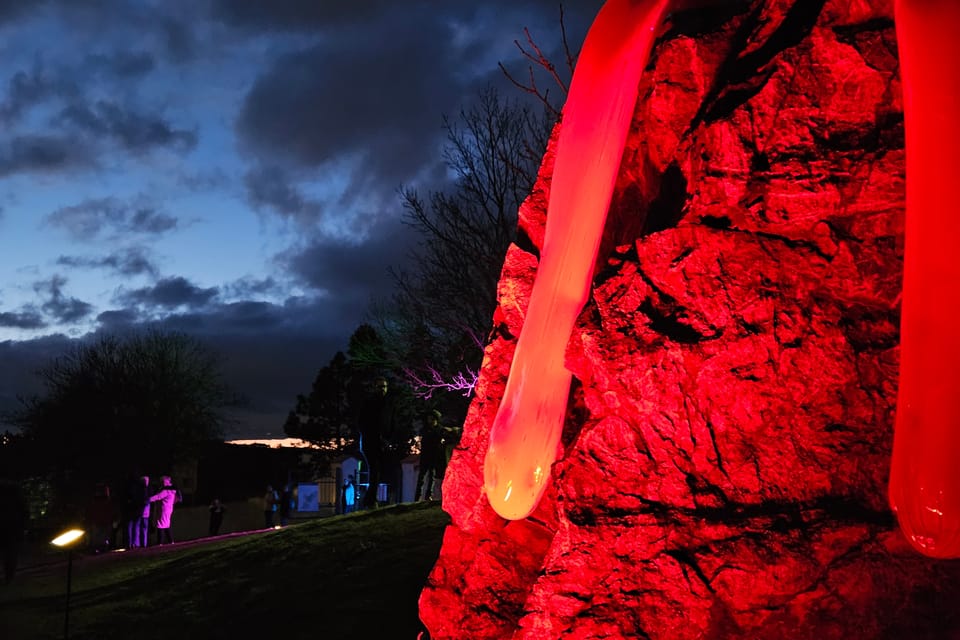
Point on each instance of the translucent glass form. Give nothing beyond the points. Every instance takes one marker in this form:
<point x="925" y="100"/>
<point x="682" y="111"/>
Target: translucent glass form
<point x="925" y="474"/>
<point x="596" y="120"/>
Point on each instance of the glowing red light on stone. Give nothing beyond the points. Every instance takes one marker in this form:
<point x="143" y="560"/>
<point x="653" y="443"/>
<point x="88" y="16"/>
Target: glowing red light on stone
<point x="596" y="119"/>
<point x="925" y="473"/>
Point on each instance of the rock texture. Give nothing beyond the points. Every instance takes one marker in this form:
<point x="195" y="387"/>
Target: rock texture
<point x="727" y="445"/>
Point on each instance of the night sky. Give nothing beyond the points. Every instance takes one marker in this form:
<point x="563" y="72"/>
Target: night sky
<point x="229" y="168"/>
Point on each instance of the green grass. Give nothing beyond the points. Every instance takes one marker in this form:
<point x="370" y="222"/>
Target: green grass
<point x="354" y="576"/>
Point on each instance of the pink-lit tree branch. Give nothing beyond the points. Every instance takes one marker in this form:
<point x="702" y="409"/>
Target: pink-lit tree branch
<point x="425" y="386"/>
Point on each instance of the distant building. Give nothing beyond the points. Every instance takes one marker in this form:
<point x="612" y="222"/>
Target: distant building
<point x="240" y="469"/>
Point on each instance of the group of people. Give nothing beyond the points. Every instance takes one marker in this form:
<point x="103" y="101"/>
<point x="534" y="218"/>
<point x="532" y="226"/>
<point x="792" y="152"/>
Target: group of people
<point x="274" y="503"/>
<point x="138" y="506"/>
<point x="141" y="510"/>
<point x="378" y="424"/>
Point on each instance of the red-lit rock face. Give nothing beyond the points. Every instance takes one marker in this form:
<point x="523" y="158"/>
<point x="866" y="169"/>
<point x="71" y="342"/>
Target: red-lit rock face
<point x="726" y="449"/>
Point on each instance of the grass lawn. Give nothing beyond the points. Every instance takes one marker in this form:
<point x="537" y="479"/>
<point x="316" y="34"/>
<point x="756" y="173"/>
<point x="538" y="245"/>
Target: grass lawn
<point x="353" y="576"/>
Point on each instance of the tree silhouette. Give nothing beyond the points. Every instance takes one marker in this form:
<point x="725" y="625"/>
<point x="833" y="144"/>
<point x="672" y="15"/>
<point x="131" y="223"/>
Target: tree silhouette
<point x="329" y="415"/>
<point x="324" y="416"/>
<point x="143" y="402"/>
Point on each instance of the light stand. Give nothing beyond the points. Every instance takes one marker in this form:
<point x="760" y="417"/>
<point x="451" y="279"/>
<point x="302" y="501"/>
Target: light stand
<point x="66" y="540"/>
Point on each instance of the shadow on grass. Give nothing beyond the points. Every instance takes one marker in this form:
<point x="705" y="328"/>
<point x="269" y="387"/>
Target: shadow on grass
<point x="356" y="576"/>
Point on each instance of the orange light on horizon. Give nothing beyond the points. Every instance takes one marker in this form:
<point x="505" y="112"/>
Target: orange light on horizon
<point x="277" y="443"/>
<point x="525" y="435"/>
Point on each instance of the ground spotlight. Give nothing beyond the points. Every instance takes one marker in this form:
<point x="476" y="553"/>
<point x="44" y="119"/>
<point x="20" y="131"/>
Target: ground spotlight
<point x="67" y="540"/>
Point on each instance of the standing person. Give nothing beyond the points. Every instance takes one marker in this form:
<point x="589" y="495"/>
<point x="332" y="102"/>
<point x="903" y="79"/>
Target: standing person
<point x="13" y="522"/>
<point x="377" y="423"/>
<point x="99" y="519"/>
<point x="270" y="503"/>
<point x="216" y="516"/>
<point x="168" y="496"/>
<point x="129" y="513"/>
<point x="286" y="503"/>
<point x="431" y="456"/>
<point x="138" y="512"/>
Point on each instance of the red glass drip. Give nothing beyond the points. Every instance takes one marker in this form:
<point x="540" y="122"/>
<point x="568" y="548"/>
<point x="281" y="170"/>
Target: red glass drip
<point x="596" y="120"/>
<point x="924" y="481"/>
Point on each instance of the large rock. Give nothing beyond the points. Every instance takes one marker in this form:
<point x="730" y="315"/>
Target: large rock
<point x="727" y="445"/>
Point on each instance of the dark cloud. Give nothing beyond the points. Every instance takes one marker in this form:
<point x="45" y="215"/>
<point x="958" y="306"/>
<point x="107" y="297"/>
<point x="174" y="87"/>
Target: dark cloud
<point x="10" y="9"/>
<point x="46" y="83"/>
<point x="252" y="288"/>
<point x="291" y="341"/>
<point x="80" y="129"/>
<point x="365" y="100"/>
<point x="117" y="320"/>
<point x="166" y="28"/>
<point x="87" y="219"/>
<point x="58" y="306"/>
<point x="170" y="293"/>
<point x="67" y="310"/>
<point x="326" y="17"/>
<point x="205" y="180"/>
<point x="92" y="217"/>
<point x="42" y="153"/>
<point x="269" y="352"/>
<point x="352" y="274"/>
<point x="127" y="262"/>
<point x="25" y="90"/>
<point x="21" y="320"/>
<point x="296" y="15"/>
<point x="271" y="188"/>
<point x="21" y="360"/>
<point x="122" y="64"/>
<point x="378" y="108"/>
<point x="245" y="320"/>
<point x="248" y="318"/>
<point x="179" y="40"/>
<point x="147" y="220"/>
<point x="135" y="132"/>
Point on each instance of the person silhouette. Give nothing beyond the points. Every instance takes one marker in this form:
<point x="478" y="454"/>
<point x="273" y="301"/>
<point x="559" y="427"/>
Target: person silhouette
<point x="168" y="496"/>
<point x="431" y="456"/>
<point x="216" y="517"/>
<point x="13" y="523"/>
<point x="377" y="422"/>
<point x="137" y="509"/>
<point x="270" y="502"/>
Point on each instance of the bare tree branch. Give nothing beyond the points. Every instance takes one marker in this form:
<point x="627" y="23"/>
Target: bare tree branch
<point x="540" y="61"/>
<point x="425" y="387"/>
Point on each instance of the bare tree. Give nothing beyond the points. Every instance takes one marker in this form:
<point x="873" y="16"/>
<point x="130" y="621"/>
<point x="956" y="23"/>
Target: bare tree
<point x="437" y="322"/>
<point x="438" y="319"/>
